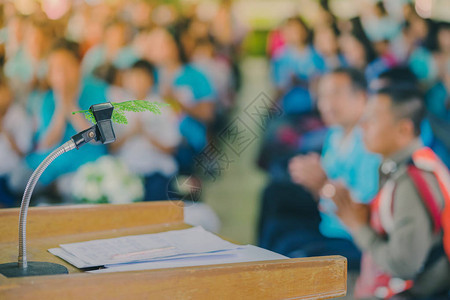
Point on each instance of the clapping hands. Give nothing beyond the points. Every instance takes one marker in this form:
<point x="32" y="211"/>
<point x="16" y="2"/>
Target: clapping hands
<point x="307" y="171"/>
<point x="353" y="214"/>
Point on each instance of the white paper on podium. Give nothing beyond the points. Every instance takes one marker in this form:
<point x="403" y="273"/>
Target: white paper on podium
<point x="244" y="254"/>
<point x="147" y="247"/>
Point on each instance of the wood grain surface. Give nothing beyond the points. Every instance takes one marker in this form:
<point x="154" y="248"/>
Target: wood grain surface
<point x="305" y="278"/>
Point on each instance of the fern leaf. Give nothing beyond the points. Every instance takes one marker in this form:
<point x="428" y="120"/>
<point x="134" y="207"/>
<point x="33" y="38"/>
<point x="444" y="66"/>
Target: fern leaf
<point x="90" y="117"/>
<point x="120" y="108"/>
<point x="119" y="117"/>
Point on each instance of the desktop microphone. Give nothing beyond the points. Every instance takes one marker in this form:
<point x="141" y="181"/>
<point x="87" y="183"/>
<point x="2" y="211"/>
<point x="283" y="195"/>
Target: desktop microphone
<point x="102" y="132"/>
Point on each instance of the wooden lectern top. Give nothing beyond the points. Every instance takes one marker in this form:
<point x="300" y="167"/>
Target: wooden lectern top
<point x="48" y="227"/>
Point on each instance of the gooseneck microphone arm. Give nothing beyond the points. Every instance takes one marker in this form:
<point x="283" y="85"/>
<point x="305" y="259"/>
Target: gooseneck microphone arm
<point x="76" y="141"/>
<point x="102" y="132"/>
<point x="66" y="147"/>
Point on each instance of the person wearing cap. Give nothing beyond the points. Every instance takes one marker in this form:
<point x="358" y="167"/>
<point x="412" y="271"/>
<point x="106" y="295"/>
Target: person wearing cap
<point x="400" y="232"/>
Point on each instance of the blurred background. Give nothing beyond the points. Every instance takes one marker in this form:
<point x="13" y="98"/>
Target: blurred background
<point x="236" y="93"/>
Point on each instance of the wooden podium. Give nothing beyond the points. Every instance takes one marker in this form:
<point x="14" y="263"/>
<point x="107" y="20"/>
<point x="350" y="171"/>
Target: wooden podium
<point x="302" y="278"/>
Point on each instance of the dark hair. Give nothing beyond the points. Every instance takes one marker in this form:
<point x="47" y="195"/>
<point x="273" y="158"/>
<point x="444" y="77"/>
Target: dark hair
<point x="432" y="39"/>
<point x="177" y="32"/>
<point x="107" y="72"/>
<point x="444" y="25"/>
<point x="325" y="4"/>
<point x="407" y="102"/>
<point x="400" y="76"/>
<point x="144" y="66"/>
<point x="357" y="78"/>
<point x="359" y="34"/>
<point x="381" y="8"/>
<point x="430" y="42"/>
<point x="69" y="46"/>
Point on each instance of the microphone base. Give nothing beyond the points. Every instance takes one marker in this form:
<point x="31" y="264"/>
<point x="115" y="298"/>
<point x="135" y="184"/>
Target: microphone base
<point x="35" y="268"/>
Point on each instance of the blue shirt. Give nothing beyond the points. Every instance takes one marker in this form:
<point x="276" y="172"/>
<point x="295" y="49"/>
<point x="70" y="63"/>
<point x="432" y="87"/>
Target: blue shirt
<point x="195" y="86"/>
<point x="375" y="69"/>
<point x="347" y="161"/>
<point x="92" y="92"/>
<point x="436" y="105"/>
<point x="303" y="65"/>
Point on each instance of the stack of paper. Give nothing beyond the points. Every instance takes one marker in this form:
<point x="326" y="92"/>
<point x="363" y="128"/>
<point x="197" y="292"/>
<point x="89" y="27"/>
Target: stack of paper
<point x="178" y="248"/>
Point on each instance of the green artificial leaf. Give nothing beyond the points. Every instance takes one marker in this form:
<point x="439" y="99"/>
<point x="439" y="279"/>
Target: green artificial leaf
<point x="120" y="108"/>
<point x="119" y="117"/>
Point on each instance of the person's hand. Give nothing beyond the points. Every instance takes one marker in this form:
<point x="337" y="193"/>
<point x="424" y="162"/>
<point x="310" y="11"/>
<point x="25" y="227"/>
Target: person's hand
<point x="64" y="108"/>
<point x="167" y="93"/>
<point x="139" y="127"/>
<point x="134" y="129"/>
<point x="353" y="214"/>
<point x="67" y="102"/>
<point x="61" y="110"/>
<point x="307" y="171"/>
<point x="68" y="108"/>
<point x="78" y="120"/>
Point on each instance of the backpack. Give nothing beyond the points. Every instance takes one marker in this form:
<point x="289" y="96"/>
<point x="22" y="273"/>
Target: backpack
<point x="373" y="281"/>
<point x="425" y="159"/>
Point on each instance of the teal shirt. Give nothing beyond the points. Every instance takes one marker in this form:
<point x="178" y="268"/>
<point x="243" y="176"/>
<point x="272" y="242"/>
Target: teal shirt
<point x="20" y="67"/>
<point x="436" y="137"/>
<point x="97" y="57"/>
<point x="349" y="162"/>
<point x="92" y="92"/>
<point x="423" y="65"/>
<point x="200" y="89"/>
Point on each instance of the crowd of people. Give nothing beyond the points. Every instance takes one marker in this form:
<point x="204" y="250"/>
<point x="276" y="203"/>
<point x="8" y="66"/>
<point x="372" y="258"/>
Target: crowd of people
<point x="118" y="51"/>
<point x="358" y="163"/>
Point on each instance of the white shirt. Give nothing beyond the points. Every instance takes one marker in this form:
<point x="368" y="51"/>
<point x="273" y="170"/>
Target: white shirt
<point x="138" y="153"/>
<point x="18" y="125"/>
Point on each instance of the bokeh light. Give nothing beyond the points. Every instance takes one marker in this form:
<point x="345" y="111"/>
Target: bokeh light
<point x="345" y="9"/>
<point x="424" y="8"/>
<point x="55" y="9"/>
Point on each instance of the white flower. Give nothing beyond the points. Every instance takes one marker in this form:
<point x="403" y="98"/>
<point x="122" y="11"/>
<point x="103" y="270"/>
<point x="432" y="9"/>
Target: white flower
<point x="107" y="178"/>
<point x="92" y="191"/>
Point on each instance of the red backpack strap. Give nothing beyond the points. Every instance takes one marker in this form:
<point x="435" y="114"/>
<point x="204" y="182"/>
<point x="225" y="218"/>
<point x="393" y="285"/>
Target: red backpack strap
<point x="426" y="195"/>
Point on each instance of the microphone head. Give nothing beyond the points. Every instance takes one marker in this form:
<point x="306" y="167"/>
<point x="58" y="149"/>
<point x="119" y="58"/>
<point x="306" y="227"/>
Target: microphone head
<point x="102" y="113"/>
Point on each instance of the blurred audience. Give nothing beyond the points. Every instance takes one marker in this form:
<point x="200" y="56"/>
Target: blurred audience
<point x="56" y="123"/>
<point x="27" y="68"/>
<point x="294" y="65"/>
<point x="326" y="44"/>
<point x="188" y="55"/>
<point x="205" y="58"/>
<point x="101" y="51"/>
<point x="114" y="49"/>
<point x="404" y="51"/>
<point x="146" y="143"/>
<point x="188" y="90"/>
<point x="341" y="100"/>
<point x="400" y="233"/>
<point x="15" y="140"/>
